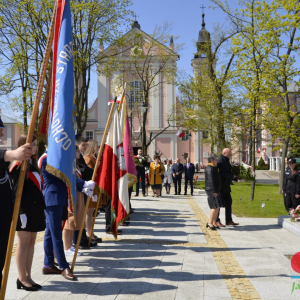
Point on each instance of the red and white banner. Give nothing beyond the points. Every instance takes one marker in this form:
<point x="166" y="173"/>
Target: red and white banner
<point x="112" y="175"/>
<point x="180" y="134"/>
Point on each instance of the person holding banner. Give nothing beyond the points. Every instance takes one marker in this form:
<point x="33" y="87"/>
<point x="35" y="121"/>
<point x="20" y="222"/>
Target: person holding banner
<point x="90" y="160"/>
<point x="31" y="215"/>
<point x="6" y="156"/>
<point x="86" y="174"/>
<point x="70" y="222"/>
<point x="56" y="197"/>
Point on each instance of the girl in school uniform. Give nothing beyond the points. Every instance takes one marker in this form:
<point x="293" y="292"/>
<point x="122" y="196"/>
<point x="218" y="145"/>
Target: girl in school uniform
<point x="31" y="215"/>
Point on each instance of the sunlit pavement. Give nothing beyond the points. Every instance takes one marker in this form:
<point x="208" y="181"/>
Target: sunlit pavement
<point x="167" y="253"/>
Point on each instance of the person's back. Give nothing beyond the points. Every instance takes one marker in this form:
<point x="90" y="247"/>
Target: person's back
<point x="225" y="173"/>
<point x="55" y="190"/>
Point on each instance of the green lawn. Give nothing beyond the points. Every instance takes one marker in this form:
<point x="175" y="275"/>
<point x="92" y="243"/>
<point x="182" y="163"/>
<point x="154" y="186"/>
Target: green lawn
<point x="246" y="208"/>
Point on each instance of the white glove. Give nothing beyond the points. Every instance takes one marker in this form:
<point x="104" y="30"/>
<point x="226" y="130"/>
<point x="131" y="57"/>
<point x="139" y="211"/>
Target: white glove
<point x="89" y="184"/>
<point x="88" y="192"/>
<point x="95" y="198"/>
<point x="23" y="219"/>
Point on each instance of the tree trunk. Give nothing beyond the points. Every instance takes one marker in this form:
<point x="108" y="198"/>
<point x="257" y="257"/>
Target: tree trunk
<point x="284" y="154"/>
<point x="144" y="137"/>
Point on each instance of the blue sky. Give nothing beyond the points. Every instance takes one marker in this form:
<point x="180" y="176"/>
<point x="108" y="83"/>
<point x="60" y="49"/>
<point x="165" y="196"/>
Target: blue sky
<point x="186" y="17"/>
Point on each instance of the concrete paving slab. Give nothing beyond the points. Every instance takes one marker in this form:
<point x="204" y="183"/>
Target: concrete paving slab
<point x="160" y="258"/>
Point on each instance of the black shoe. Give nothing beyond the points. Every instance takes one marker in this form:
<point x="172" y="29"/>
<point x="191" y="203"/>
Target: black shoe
<point x="125" y="224"/>
<point x="96" y="240"/>
<point x="144" y="195"/>
<point x="83" y="246"/>
<point x="136" y="195"/>
<point x="184" y="194"/>
<point x="192" y="195"/>
<point x="93" y="244"/>
<point x="211" y="228"/>
<point x="26" y="288"/>
<point x="37" y="286"/>
<point x="132" y="211"/>
<point x="179" y="194"/>
<point x="175" y="194"/>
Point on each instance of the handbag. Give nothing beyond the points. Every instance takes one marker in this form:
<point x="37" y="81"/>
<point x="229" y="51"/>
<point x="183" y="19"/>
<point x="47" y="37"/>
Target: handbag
<point x="162" y="176"/>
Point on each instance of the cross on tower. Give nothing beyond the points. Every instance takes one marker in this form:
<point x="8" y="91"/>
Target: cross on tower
<point x="135" y="16"/>
<point x="202" y="8"/>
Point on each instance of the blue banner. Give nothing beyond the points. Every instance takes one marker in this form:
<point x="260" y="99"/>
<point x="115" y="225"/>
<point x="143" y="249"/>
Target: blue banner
<point x="61" y="134"/>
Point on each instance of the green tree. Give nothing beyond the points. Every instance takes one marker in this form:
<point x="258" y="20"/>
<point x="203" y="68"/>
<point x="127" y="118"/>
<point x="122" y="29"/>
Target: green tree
<point x="24" y="29"/>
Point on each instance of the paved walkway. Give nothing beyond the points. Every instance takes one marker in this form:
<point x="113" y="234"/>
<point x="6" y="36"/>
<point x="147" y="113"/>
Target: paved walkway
<point x="167" y="253"/>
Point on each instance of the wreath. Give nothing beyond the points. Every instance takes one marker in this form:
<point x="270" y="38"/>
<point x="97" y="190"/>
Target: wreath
<point x="140" y="161"/>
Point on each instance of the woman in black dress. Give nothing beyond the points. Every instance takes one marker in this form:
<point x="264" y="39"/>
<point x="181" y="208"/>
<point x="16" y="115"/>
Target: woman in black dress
<point x="31" y="215"/>
<point x="212" y="189"/>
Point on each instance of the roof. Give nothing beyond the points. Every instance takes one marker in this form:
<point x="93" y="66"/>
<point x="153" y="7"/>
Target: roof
<point x="203" y="33"/>
<point x="8" y="120"/>
<point x="137" y="27"/>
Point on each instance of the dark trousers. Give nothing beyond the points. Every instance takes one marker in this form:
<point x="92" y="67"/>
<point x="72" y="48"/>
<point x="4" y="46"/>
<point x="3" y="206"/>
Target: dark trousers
<point x="138" y="176"/>
<point x="53" y="237"/>
<point x="5" y="222"/>
<point x="129" y="195"/>
<point x="168" y="187"/>
<point x="186" y="185"/>
<point x="227" y="201"/>
<point x="177" y="182"/>
<point x="4" y="235"/>
<point x="108" y="215"/>
<point x="84" y="239"/>
<point x="290" y="201"/>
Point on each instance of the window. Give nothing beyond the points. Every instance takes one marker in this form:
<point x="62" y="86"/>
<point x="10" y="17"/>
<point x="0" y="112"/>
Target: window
<point x="89" y="135"/>
<point x="187" y="135"/>
<point x="136" y="91"/>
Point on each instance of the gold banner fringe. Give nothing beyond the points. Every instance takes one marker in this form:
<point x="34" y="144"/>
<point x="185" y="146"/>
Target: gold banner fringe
<point x="133" y="180"/>
<point x="102" y="191"/>
<point x="65" y="179"/>
<point x="120" y="222"/>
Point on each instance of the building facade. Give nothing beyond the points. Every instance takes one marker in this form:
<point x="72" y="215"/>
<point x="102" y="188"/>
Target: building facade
<point x="11" y="133"/>
<point x="162" y="104"/>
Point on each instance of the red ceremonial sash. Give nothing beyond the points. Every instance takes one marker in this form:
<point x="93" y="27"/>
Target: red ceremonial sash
<point x="31" y="175"/>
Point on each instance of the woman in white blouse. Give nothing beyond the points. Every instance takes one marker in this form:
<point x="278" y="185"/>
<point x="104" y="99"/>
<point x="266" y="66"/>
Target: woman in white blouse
<point x="168" y="180"/>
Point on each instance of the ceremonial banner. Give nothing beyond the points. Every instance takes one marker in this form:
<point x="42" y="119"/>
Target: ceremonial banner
<point x="112" y="175"/>
<point x="44" y="116"/>
<point x="61" y="156"/>
<point x="128" y="150"/>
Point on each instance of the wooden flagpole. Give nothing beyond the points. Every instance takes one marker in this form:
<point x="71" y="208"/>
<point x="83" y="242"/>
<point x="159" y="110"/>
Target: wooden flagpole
<point x="93" y="178"/>
<point x="99" y="155"/>
<point x="24" y="162"/>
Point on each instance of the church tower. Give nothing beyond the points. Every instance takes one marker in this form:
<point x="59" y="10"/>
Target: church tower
<point x="199" y="63"/>
<point x="203" y="44"/>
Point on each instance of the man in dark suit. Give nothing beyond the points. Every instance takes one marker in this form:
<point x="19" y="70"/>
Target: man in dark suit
<point x="56" y="197"/>
<point x="189" y="170"/>
<point x="177" y="175"/>
<point x="224" y="167"/>
<point x="140" y="174"/>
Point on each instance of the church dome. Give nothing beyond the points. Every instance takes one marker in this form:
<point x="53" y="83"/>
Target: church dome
<point x="204" y="35"/>
<point x="202" y="42"/>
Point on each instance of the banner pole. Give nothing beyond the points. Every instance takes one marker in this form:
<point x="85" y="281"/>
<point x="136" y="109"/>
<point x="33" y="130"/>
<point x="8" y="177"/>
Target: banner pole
<point x="93" y="178"/>
<point x="98" y="202"/>
<point x="24" y="162"/>
<point x="122" y="99"/>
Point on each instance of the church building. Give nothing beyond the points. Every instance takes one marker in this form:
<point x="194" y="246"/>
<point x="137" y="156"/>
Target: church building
<point x="161" y="104"/>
